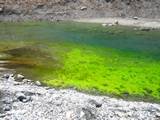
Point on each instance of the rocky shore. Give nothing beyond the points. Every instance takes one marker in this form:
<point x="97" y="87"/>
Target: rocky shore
<point x="20" y="10"/>
<point x="28" y="100"/>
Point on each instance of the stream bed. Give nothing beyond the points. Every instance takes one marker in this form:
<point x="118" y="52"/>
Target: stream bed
<point x="117" y="61"/>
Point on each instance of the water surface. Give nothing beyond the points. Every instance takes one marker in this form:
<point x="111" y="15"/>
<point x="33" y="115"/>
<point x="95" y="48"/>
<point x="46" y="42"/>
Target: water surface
<point x="115" y="60"/>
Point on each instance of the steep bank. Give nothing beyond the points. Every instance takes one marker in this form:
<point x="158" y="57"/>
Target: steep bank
<point x="26" y="100"/>
<point x="71" y="9"/>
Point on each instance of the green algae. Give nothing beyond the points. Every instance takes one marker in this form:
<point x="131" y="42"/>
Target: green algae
<point x="115" y="60"/>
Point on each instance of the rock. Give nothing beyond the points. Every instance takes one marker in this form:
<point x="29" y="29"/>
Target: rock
<point x="1" y="9"/>
<point x="7" y="101"/>
<point x="20" y="77"/>
<point x="38" y="83"/>
<point x="157" y="115"/>
<point x="95" y="103"/>
<point x="26" y="81"/>
<point x="104" y="24"/>
<point x="83" y="8"/>
<point x="90" y="113"/>
<point x="28" y="98"/>
<point x="21" y="97"/>
<point x="116" y="22"/>
<point x="2" y="115"/>
<point x="110" y="24"/>
<point x="7" y="108"/>
<point x="6" y="76"/>
<point x="135" y="18"/>
<point x="69" y="115"/>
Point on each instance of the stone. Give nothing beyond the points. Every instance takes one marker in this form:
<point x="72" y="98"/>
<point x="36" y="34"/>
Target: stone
<point x="116" y="22"/>
<point x="90" y="113"/>
<point x="20" y="96"/>
<point x="20" y="77"/>
<point x="38" y="83"/>
<point x="7" y="108"/>
<point x="69" y="115"/>
<point x="135" y="18"/>
<point x="104" y="24"/>
<point x="1" y="9"/>
<point x="26" y="81"/>
<point x="83" y="8"/>
<point x="95" y="103"/>
<point x="110" y="24"/>
<point x="6" y="76"/>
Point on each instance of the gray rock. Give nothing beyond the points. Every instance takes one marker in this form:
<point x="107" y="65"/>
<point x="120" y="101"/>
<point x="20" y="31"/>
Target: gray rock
<point x="95" y="103"/>
<point x="20" y="96"/>
<point x="1" y="9"/>
<point x="135" y="18"/>
<point x="7" y="108"/>
<point x="90" y="113"/>
<point x="83" y="8"/>
<point x="6" y="76"/>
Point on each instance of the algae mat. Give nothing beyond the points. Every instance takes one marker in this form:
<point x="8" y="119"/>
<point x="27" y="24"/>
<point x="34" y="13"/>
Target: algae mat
<point x="116" y="60"/>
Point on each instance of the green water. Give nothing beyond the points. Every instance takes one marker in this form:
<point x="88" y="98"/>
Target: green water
<point x="115" y="61"/>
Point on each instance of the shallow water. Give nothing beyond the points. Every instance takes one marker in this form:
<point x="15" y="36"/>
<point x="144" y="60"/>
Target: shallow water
<point x="67" y="54"/>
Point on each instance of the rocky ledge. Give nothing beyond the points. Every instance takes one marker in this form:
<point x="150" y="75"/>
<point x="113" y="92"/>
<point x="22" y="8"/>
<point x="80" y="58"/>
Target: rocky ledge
<point x="27" y="100"/>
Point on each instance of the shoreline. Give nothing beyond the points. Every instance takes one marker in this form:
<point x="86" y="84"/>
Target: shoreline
<point x="139" y="22"/>
<point x="31" y="101"/>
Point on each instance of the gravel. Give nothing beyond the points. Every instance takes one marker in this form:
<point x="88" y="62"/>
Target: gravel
<point x="28" y="101"/>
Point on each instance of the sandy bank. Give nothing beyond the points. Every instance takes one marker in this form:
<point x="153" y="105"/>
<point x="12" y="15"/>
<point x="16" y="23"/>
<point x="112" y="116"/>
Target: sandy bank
<point x="140" y="22"/>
